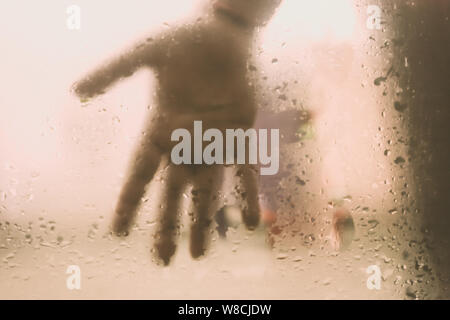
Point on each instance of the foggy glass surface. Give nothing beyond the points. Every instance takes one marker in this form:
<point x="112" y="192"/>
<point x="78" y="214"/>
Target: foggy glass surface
<point x="345" y="154"/>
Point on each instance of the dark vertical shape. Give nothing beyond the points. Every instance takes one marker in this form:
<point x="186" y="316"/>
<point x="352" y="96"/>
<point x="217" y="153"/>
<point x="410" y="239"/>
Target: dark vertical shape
<point x="422" y="60"/>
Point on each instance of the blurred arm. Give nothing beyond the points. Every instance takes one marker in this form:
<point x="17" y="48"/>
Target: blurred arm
<point x="145" y="54"/>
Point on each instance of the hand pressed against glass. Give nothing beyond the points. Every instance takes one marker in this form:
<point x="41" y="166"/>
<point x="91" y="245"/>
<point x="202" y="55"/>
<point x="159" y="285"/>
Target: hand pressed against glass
<point x="202" y="75"/>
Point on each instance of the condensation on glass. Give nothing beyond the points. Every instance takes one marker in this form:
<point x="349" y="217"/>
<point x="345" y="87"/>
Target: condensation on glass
<point x="342" y="219"/>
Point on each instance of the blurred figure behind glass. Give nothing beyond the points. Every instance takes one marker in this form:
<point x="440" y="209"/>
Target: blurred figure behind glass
<point x="202" y="75"/>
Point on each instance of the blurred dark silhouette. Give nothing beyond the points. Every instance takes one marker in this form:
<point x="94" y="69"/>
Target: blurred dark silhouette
<point x="202" y="75"/>
<point x="423" y="36"/>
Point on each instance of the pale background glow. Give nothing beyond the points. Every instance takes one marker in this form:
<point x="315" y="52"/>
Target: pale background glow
<point x="64" y="161"/>
<point x="316" y="20"/>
